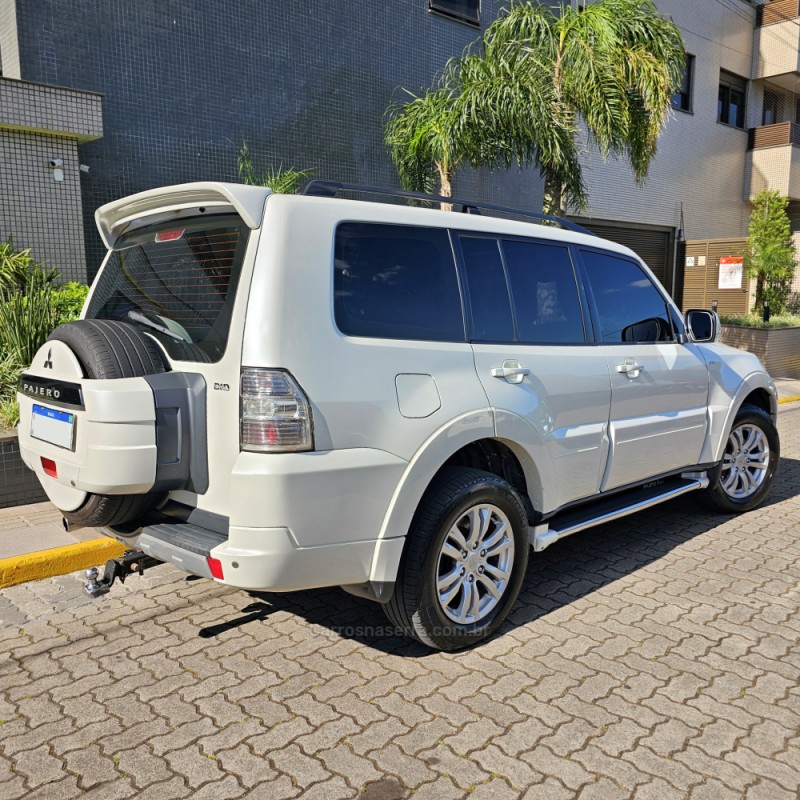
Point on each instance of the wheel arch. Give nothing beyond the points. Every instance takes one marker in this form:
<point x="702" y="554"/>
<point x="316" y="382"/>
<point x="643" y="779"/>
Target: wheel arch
<point x="469" y="441"/>
<point x="755" y="389"/>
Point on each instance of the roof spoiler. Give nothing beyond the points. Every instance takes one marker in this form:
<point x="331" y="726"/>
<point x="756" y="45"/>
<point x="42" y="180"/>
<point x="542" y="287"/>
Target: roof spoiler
<point x="115" y="218"/>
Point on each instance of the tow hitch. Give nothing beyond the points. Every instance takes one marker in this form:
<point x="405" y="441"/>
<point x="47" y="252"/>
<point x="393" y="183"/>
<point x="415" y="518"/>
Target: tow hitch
<point x="131" y="562"/>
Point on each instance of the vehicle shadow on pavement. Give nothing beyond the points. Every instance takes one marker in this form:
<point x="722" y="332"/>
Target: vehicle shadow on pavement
<point x="567" y="571"/>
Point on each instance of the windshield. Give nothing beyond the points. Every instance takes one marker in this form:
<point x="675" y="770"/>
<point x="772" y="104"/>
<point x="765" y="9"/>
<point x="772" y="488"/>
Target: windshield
<point x="177" y="281"/>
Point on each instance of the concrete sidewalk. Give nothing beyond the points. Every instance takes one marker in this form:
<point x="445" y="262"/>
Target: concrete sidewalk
<point x="34" y="544"/>
<point x="788" y="390"/>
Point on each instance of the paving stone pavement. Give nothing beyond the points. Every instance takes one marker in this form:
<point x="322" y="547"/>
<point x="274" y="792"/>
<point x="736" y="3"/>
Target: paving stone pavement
<point x="656" y="657"/>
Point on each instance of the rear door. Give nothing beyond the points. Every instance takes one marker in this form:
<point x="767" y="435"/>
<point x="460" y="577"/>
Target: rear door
<point x="179" y="282"/>
<point x="548" y="385"/>
<point x="659" y="386"/>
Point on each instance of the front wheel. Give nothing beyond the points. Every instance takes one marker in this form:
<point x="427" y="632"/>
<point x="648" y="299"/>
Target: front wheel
<point x="464" y="563"/>
<point x="743" y="478"/>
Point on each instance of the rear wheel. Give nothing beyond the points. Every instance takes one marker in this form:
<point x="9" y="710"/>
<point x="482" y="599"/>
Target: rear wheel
<point x="743" y="478"/>
<point x="109" y="349"/>
<point x="464" y="562"/>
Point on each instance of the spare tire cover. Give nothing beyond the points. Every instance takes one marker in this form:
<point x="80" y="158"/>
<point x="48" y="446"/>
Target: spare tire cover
<point x="107" y="349"/>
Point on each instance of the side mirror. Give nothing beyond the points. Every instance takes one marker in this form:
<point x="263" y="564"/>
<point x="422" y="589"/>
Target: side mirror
<point x="702" y="325"/>
<point x="647" y="330"/>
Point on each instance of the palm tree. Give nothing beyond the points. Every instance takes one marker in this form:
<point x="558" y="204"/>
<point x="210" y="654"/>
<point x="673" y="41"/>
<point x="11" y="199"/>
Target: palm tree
<point x="533" y="84"/>
<point x="426" y="140"/>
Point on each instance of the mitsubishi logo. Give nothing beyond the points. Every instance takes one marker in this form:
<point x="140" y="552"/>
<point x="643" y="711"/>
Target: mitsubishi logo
<point x="48" y="362"/>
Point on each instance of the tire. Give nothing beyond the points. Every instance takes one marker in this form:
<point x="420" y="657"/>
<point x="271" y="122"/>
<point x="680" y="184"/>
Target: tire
<point x="446" y="622"/>
<point x="110" y="349"/>
<point x="107" y="349"/>
<point x="741" y="481"/>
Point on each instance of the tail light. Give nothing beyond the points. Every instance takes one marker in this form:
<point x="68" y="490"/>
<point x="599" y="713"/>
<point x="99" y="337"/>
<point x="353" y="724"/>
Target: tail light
<point x="276" y="417"/>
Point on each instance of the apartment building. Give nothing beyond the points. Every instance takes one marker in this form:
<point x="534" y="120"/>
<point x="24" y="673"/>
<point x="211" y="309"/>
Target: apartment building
<point x="773" y="159"/>
<point x="168" y="92"/>
<point x="735" y="130"/>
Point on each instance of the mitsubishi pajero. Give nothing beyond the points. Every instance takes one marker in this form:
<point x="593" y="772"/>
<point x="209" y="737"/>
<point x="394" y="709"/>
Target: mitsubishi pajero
<point x="283" y="392"/>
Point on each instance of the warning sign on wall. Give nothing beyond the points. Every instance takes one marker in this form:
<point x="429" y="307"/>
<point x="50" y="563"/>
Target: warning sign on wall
<point x="730" y="272"/>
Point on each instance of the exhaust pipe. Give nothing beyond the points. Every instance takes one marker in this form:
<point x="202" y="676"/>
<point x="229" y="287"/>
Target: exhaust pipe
<point x="70" y="526"/>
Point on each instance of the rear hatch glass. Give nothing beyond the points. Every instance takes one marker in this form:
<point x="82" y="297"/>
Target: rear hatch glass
<point x="177" y="281"/>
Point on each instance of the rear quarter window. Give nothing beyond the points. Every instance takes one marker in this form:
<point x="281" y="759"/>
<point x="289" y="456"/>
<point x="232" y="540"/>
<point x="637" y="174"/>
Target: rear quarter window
<point x="178" y="282"/>
<point x="396" y="282"/>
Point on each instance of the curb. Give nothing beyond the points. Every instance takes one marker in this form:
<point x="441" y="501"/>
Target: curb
<point x="793" y="398"/>
<point x="57" y="561"/>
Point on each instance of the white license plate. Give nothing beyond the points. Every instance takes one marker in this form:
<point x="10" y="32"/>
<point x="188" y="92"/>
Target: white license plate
<point x="55" y="427"/>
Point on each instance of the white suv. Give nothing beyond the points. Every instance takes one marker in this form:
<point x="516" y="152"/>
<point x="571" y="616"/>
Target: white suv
<point x="284" y="392"/>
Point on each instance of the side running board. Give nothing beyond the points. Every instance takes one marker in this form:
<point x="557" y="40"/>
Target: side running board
<point x="575" y="520"/>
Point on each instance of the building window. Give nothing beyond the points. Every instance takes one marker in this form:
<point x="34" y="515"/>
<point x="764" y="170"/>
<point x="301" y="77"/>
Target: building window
<point x="730" y="103"/>
<point x="464" y="10"/>
<point x="682" y="99"/>
<point x="772" y="111"/>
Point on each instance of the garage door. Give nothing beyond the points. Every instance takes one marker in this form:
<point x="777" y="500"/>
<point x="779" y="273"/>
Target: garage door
<point x="654" y="247"/>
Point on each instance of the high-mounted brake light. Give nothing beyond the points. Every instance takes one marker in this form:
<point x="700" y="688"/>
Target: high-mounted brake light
<point x="276" y="416"/>
<point x="169" y="236"/>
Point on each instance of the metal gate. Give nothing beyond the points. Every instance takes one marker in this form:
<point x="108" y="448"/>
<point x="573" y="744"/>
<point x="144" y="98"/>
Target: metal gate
<point x="653" y="245"/>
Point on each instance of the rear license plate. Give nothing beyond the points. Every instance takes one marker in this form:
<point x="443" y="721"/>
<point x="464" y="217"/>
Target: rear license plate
<point x="55" y="427"/>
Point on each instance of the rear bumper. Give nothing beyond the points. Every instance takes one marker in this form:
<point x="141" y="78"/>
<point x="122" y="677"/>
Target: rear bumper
<point x="269" y="559"/>
<point x="260" y="559"/>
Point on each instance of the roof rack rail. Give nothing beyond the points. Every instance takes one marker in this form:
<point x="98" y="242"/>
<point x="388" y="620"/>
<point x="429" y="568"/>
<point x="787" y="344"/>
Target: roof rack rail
<point x="320" y="188"/>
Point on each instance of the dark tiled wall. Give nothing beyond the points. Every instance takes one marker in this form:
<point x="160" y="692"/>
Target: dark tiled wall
<point x="18" y="484"/>
<point x="37" y="211"/>
<point x="187" y="81"/>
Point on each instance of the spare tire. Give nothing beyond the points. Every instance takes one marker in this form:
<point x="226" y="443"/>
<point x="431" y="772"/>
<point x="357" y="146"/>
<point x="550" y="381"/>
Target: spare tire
<point x="107" y="349"/>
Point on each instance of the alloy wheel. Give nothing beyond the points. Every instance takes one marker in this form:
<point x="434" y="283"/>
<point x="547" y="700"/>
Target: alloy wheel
<point x="475" y="563"/>
<point x="745" y="463"/>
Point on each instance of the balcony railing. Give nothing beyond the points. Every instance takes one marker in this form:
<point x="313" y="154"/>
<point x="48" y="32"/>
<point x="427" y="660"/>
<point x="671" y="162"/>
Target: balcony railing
<point x="778" y="11"/>
<point x="782" y="133"/>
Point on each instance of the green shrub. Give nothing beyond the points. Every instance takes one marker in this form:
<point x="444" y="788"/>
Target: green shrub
<point x="31" y="306"/>
<point x="68" y="300"/>
<point x="9" y="412"/>
<point x="280" y="180"/>
<point x="757" y="321"/>
<point x="20" y="272"/>
<point x="10" y="370"/>
<point x="26" y="320"/>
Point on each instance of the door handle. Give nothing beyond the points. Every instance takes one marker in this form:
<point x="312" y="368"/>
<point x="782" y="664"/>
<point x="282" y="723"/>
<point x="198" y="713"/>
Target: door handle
<point x="630" y="368"/>
<point x="511" y="371"/>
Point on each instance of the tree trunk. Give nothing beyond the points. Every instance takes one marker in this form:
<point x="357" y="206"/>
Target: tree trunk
<point x="446" y="185"/>
<point x="759" y="301"/>
<point x="555" y="198"/>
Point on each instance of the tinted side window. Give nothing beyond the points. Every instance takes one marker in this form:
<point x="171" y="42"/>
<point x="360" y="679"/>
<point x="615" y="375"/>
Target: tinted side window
<point x="490" y="307"/>
<point x="544" y="292"/>
<point x="629" y="307"/>
<point x="396" y="282"/>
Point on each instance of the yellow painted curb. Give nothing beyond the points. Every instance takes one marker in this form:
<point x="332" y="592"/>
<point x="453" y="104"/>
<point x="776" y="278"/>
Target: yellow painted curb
<point x="57" y="561"/>
<point x="790" y="399"/>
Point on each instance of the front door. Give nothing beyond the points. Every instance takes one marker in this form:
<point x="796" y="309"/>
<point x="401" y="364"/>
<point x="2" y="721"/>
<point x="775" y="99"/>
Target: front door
<point x="659" y="386"/>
